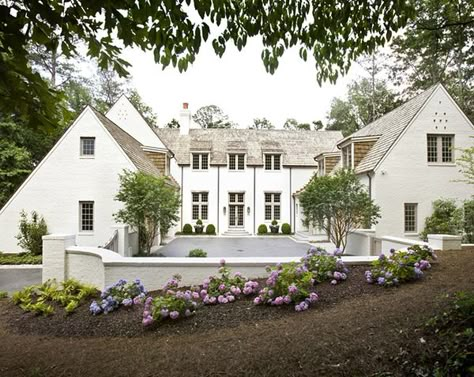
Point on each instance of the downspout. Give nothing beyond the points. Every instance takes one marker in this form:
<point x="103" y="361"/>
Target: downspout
<point x="370" y="185"/>
<point x="254" y="197"/>
<point x="218" y="195"/>
<point x="291" y="217"/>
<point x="182" y="190"/>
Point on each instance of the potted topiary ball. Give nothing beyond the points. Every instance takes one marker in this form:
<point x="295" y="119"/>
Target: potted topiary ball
<point x="274" y="228"/>
<point x="198" y="228"/>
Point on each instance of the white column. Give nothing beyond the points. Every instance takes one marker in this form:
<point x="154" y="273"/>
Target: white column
<point x="54" y="255"/>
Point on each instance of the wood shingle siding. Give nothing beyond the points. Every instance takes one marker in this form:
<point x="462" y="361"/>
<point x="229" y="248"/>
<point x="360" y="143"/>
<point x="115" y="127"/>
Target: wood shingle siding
<point x="360" y="150"/>
<point x="158" y="159"/>
<point x="330" y="163"/>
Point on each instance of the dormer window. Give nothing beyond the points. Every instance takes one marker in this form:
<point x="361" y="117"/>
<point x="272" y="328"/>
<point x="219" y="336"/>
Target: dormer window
<point x="87" y="146"/>
<point x="200" y="161"/>
<point x="272" y="162"/>
<point x="236" y="161"/>
<point x="347" y="157"/>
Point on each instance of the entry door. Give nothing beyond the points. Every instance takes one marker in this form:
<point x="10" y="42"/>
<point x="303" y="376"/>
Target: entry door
<point x="236" y="209"/>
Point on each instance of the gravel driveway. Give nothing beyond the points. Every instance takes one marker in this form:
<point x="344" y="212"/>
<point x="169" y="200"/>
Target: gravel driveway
<point x="237" y="247"/>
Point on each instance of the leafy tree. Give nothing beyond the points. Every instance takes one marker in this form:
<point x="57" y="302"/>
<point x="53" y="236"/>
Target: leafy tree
<point x="293" y="124"/>
<point x="334" y="33"/>
<point x="469" y="221"/>
<point x="173" y="123"/>
<point x="31" y="233"/>
<point x="361" y="107"/>
<point x="212" y="116"/>
<point x="150" y="204"/>
<point x="338" y="204"/>
<point x="318" y="125"/>
<point x="446" y="218"/>
<point x="466" y="162"/>
<point x="261" y="124"/>
<point x="108" y="87"/>
<point x="437" y="47"/>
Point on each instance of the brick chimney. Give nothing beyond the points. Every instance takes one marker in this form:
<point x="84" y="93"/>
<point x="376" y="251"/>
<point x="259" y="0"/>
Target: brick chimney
<point x="184" y="119"/>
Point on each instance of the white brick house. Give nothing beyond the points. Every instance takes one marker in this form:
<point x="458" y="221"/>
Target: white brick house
<point x="407" y="159"/>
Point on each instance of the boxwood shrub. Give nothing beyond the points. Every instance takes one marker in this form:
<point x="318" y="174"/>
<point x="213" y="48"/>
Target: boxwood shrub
<point x="262" y="229"/>
<point x="187" y="229"/>
<point x="211" y="229"/>
<point x="197" y="253"/>
<point x="286" y="228"/>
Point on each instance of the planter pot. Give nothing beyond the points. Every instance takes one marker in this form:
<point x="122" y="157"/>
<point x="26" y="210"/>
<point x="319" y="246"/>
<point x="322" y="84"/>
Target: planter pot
<point x="198" y="229"/>
<point x="274" y="228"/>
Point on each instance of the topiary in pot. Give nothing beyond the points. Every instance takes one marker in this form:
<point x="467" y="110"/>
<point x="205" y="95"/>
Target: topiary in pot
<point x="187" y="229"/>
<point x="199" y="228"/>
<point x="211" y="229"/>
<point x="262" y="229"/>
<point x="286" y="228"/>
<point x="274" y="228"/>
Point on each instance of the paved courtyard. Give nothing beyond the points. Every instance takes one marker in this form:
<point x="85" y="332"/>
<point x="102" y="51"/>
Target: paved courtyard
<point x="238" y="247"/>
<point x="14" y="279"/>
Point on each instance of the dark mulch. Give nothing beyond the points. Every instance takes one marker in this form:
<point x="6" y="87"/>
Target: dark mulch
<point x="127" y="322"/>
<point x="355" y="330"/>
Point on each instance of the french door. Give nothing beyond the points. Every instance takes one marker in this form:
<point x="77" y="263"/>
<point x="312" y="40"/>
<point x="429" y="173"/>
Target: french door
<point x="236" y="209"/>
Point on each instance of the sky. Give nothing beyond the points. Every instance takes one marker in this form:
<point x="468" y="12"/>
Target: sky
<point x="238" y="84"/>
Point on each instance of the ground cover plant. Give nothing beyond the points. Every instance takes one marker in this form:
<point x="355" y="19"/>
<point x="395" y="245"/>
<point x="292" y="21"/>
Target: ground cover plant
<point x="21" y="258"/>
<point x="172" y="304"/>
<point x="225" y="287"/>
<point x="122" y="293"/>
<point x="325" y="266"/>
<point x="400" y="266"/>
<point x="38" y="298"/>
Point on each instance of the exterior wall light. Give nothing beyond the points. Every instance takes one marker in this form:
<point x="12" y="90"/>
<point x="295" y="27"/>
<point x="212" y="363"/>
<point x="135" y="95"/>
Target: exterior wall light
<point x="248" y="210"/>
<point x="224" y="209"/>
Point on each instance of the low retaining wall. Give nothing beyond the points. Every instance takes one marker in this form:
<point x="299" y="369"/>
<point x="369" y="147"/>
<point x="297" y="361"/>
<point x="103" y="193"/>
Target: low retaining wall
<point x="100" y="267"/>
<point x="360" y="242"/>
<point x="398" y="243"/>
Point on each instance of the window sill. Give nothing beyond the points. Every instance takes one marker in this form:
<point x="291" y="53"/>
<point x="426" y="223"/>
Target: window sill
<point x="410" y="234"/>
<point x="85" y="233"/>
<point x="451" y="164"/>
<point x="87" y="157"/>
<point x="200" y="170"/>
<point x="236" y="170"/>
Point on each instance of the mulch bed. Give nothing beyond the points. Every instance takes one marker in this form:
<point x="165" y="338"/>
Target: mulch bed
<point x="356" y="329"/>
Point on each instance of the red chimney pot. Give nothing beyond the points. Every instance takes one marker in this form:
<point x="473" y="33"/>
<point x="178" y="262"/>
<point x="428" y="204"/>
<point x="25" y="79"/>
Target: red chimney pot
<point x="185" y="105"/>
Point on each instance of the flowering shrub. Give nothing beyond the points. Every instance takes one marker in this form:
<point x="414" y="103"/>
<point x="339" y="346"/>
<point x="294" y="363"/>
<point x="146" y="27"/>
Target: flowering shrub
<point x="120" y="293"/>
<point x="288" y="283"/>
<point x="325" y="266"/>
<point x="173" y="304"/>
<point x="226" y="288"/>
<point x="400" y="266"/>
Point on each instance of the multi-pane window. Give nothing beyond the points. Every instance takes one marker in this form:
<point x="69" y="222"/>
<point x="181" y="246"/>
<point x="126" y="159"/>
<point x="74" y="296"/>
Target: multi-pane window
<point x="321" y="167"/>
<point x="272" y="206"/>
<point x="86" y="216"/>
<point x="236" y="161"/>
<point x="200" y="205"/>
<point x="272" y="162"/>
<point x="87" y="146"/>
<point x="410" y="217"/>
<point x="347" y="157"/>
<point x="440" y="148"/>
<point x="200" y="161"/>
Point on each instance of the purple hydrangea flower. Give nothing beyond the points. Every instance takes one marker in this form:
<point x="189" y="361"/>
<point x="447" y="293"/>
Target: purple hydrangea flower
<point x="127" y="302"/>
<point x="174" y="314"/>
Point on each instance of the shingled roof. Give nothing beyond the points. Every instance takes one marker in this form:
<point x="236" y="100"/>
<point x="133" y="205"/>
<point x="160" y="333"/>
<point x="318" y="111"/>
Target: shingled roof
<point x="131" y="147"/>
<point x="297" y="147"/>
<point x="389" y="127"/>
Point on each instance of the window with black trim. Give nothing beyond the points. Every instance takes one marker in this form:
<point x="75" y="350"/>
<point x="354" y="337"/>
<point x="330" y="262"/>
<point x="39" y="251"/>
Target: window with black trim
<point x="200" y="205"/>
<point x="236" y="161"/>
<point x="88" y="146"/>
<point x="272" y="206"/>
<point x="440" y="148"/>
<point x="411" y="210"/>
<point x="86" y="216"/>
<point x="272" y="162"/>
<point x="200" y="161"/>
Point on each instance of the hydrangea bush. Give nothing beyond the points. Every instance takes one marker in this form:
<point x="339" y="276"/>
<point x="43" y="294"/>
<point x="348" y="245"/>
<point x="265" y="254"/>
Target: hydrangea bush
<point x="325" y="266"/>
<point x="288" y="283"/>
<point x="173" y="304"/>
<point x="226" y="288"/>
<point x="121" y="293"/>
<point x="400" y="266"/>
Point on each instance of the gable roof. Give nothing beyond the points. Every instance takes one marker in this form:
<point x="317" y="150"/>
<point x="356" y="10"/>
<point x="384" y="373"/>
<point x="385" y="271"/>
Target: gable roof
<point x="131" y="147"/>
<point x="296" y="146"/>
<point x="388" y="128"/>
